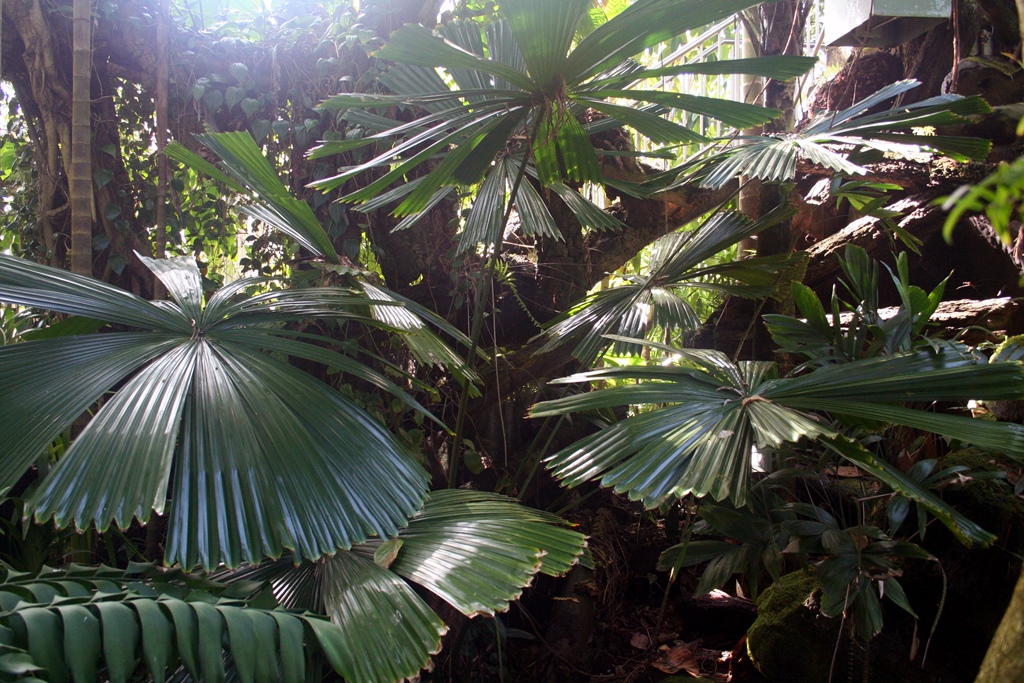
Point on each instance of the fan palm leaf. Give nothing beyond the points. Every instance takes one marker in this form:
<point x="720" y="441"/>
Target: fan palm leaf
<point x="774" y="158"/>
<point x="264" y="457"/>
<point x="656" y="299"/>
<point x="528" y="73"/>
<point x="712" y="412"/>
<point x="475" y="550"/>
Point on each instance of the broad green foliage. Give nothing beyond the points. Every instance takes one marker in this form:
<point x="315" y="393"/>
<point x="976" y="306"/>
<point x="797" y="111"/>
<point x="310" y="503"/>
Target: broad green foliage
<point x="716" y="411"/>
<point x="264" y="456"/>
<point x="257" y="457"/>
<point x="774" y="158"/>
<point x="475" y="550"/>
<point x="522" y="88"/>
<point x="657" y="300"/>
<point x="72" y="624"/>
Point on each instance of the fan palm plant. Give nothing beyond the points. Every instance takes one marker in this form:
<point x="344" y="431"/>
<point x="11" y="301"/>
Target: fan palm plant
<point x="707" y="413"/>
<point x="264" y="457"/>
<point x="899" y="130"/>
<point x="522" y="88"/>
<point x="658" y="297"/>
<point x="256" y="457"/>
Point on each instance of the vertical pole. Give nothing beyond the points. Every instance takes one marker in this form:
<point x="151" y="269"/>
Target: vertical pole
<point x="80" y="168"/>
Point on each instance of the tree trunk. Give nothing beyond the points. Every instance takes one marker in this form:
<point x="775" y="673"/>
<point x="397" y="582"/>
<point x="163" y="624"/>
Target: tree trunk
<point x="1004" y="662"/>
<point x="80" y="168"/>
<point x="163" y="25"/>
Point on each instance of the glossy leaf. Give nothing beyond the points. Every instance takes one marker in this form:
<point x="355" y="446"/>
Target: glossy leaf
<point x="99" y="614"/>
<point x="774" y="158"/>
<point x="265" y="457"/>
<point x="475" y="550"/>
<point x="717" y="410"/>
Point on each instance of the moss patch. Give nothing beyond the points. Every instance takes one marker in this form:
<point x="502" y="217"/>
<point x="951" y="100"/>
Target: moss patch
<point x="790" y="640"/>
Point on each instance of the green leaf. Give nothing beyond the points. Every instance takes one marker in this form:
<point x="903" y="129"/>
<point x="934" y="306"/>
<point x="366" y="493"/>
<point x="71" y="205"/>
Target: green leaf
<point x="967" y="531"/>
<point x="291" y="635"/>
<point x="211" y="634"/>
<point x="386" y="552"/>
<point x="277" y="207"/>
<point x="478" y="551"/>
<point x="238" y="71"/>
<point x="388" y="632"/>
<point x="157" y="636"/>
<point x="81" y="642"/>
<point x="894" y="591"/>
<point x="655" y="299"/>
<point x="183" y="155"/>
<point x="644" y="24"/>
<point x="738" y="114"/>
<point x="265" y="456"/>
<point x="417" y="46"/>
<point x="233" y="95"/>
<point x="244" y="644"/>
<point x="779" y="67"/>
<point x="42" y="629"/>
<point x="120" y="639"/>
<point x="186" y="632"/>
<point x="544" y="32"/>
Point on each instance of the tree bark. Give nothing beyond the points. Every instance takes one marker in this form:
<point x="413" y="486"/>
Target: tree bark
<point x="1004" y="661"/>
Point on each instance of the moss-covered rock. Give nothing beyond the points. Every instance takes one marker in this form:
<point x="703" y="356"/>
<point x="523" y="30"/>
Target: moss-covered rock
<point x="791" y="640"/>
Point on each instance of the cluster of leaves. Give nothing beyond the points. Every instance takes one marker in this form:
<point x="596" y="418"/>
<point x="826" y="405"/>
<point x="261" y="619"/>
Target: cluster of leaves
<point x="708" y="415"/>
<point x="60" y="624"/>
<point x="520" y="78"/>
<point x="199" y="414"/>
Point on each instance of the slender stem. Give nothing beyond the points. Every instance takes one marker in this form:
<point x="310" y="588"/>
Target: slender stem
<point x="477" y="327"/>
<point x="674" y="573"/>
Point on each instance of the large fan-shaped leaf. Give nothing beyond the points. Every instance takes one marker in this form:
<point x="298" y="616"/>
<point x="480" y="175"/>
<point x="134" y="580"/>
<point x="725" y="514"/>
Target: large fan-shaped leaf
<point x="701" y="441"/>
<point x="774" y="158"/>
<point x="479" y="550"/>
<point x="389" y="632"/>
<point x="264" y="457"/>
<point x="632" y="310"/>
<point x="475" y="550"/>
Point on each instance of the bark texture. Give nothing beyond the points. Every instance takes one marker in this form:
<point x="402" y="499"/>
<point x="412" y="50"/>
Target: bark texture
<point x="1004" y="661"/>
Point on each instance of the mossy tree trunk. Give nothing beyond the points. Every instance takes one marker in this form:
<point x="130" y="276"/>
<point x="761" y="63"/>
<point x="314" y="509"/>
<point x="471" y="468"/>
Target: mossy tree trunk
<point x="1004" y="662"/>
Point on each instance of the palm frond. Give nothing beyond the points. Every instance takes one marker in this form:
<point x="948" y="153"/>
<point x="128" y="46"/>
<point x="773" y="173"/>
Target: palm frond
<point x="264" y="456"/>
<point x="715" y="411"/>
<point x="631" y="310"/>
<point x="62" y="623"/>
<point x="774" y="158"/>
<point x="475" y="550"/>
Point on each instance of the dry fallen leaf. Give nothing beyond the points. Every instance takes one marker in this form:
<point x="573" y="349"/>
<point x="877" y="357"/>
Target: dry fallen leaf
<point x="640" y="641"/>
<point x="675" y="659"/>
